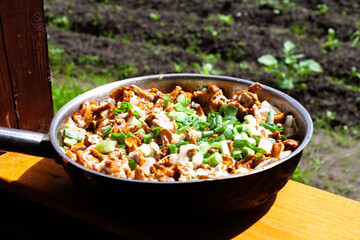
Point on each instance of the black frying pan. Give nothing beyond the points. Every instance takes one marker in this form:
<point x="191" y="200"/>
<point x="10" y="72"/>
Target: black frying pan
<point x="208" y="196"/>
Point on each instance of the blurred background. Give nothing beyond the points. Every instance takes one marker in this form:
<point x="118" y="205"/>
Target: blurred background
<point x="309" y="49"/>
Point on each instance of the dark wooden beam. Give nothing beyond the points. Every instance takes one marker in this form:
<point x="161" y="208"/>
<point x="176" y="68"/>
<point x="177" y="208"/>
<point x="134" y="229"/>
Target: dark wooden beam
<point x="26" y="100"/>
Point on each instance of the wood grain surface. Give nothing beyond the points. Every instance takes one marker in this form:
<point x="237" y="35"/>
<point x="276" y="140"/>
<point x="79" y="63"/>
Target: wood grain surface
<point x="26" y="100"/>
<point x="297" y="212"/>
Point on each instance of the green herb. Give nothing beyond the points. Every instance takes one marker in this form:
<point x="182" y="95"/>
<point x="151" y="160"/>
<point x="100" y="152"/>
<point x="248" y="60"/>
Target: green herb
<point x="172" y="149"/>
<point x="166" y="101"/>
<point x="229" y="111"/>
<point x="180" y="143"/>
<point x="148" y="138"/>
<point x="73" y="134"/>
<point x="283" y="137"/>
<point x="182" y="129"/>
<point x="137" y="114"/>
<point x="105" y="146"/>
<point x="272" y="127"/>
<point x="215" y="159"/>
<point x="207" y="134"/>
<point x="132" y="164"/>
<point x="106" y="131"/>
<point x="270" y="117"/>
<point x="124" y="107"/>
<point x="119" y="137"/>
<point x="157" y="131"/>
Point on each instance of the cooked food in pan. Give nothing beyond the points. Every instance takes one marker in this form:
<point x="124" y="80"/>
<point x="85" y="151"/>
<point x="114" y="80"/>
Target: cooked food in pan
<point x="178" y="136"/>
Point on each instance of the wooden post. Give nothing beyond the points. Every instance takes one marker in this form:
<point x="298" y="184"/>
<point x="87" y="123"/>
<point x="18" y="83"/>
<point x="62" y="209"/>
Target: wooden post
<point x="25" y="86"/>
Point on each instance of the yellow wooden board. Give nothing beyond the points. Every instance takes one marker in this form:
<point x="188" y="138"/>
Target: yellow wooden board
<point x="297" y="212"/>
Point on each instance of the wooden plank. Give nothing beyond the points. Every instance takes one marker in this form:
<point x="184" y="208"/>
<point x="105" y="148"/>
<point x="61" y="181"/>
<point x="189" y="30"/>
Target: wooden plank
<point x="297" y="212"/>
<point x="25" y="46"/>
<point x="7" y="113"/>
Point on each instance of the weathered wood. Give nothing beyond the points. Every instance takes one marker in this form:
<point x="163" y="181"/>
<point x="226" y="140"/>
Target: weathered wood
<point x="297" y="212"/>
<point x="25" y="74"/>
<point x="7" y="113"/>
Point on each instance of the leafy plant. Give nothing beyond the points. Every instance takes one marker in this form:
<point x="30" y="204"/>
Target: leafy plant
<point x="289" y="69"/>
<point x="62" y="93"/>
<point x="154" y="16"/>
<point x="300" y="175"/>
<point x="332" y="43"/>
<point x="206" y="68"/>
<point x="354" y="73"/>
<point x="355" y="37"/>
<point x="322" y="9"/>
<point x="62" y="22"/>
<point x="225" y="18"/>
<point x="280" y="6"/>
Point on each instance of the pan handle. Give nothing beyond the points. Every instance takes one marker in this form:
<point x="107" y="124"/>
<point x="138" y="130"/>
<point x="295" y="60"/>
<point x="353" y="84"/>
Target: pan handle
<point x="28" y="142"/>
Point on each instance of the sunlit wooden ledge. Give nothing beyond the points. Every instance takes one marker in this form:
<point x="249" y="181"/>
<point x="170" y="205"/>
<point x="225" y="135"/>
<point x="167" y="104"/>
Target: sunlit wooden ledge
<point x="297" y="212"/>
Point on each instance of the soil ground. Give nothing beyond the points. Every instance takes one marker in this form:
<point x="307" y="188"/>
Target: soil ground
<point x="133" y="38"/>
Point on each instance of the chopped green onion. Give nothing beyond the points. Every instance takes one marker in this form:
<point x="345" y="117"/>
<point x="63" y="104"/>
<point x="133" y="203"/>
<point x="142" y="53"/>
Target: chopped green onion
<point x="270" y="117"/>
<point x="123" y="146"/>
<point x="265" y="145"/>
<point x="283" y="137"/>
<point x="73" y="134"/>
<point x="249" y="119"/>
<point x="184" y="101"/>
<point x="204" y="147"/>
<point x="128" y="135"/>
<point x="178" y="116"/>
<point x="219" y="138"/>
<point x="182" y="129"/>
<point x="106" y="131"/>
<point x="70" y="141"/>
<point x="166" y="101"/>
<point x="247" y="151"/>
<point x="224" y="148"/>
<point x="105" y="146"/>
<point x="259" y="155"/>
<point x="120" y="137"/>
<point x="157" y="131"/>
<point x="132" y="164"/>
<point x="228" y="133"/>
<point x="236" y="153"/>
<point x="207" y="134"/>
<point x="229" y="111"/>
<point x="215" y="159"/>
<point x="180" y="143"/>
<point x="257" y="139"/>
<point x="148" y="138"/>
<point x="137" y="114"/>
<point x="203" y="89"/>
<point x="272" y="127"/>
<point x="172" y="149"/>
<point x="125" y="106"/>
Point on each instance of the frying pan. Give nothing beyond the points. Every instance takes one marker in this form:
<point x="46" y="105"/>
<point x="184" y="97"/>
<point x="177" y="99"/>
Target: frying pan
<point x="207" y="196"/>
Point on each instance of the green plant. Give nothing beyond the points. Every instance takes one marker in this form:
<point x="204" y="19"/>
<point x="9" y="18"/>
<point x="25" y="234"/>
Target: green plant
<point x="322" y="9"/>
<point x="154" y="16"/>
<point x="332" y="43"/>
<point x="289" y="69"/>
<point x="355" y="37"/>
<point x="354" y="73"/>
<point x="300" y="175"/>
<point x="62" y="22"/>
<point x="280" y="6"/>
<point x="225" y="18"/>
<point x="62" y="93"/>
<point x="206" y="68"/>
